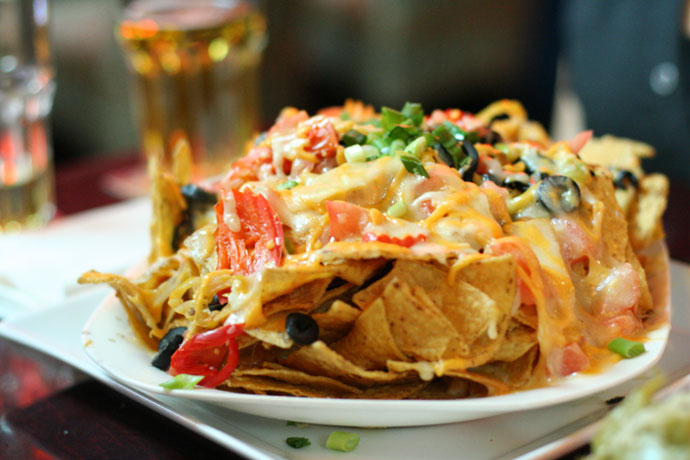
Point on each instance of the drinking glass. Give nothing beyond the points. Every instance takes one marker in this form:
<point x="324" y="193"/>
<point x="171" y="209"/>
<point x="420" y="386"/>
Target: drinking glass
<point x="194" y="67"/>
<point x="26" y="98"/>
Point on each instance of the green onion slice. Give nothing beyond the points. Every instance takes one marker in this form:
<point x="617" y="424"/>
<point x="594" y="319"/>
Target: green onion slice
<point x="342" y="441"/>
<point x="297" y="442"/>
<point x="413" y="165"/>
<point x="626" y="348"/>
<point x="182" y="382"/>
<point x="398" y="209"/>
<point x="353" y="137"/>
<point x="288" y="184"/>
<point x="413" y="111"/>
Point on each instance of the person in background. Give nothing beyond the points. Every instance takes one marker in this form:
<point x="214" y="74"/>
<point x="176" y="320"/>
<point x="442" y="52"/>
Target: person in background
<point x="629" y="64"/>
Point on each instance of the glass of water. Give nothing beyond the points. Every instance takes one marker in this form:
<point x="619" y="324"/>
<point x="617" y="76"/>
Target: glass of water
<point x="26" y="96"/>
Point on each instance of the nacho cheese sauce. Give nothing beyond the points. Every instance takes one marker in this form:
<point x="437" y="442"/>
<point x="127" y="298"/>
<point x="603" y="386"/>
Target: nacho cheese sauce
<point x="444" y="193"/>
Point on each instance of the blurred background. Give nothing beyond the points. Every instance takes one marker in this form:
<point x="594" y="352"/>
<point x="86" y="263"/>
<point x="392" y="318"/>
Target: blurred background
<point x="320" y="52"/>
<point x="625" y="61"/>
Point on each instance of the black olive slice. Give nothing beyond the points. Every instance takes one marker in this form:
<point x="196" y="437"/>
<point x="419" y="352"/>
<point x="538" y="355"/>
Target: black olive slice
<point x="215" y="304"/>
<point x="624" y="179"/>
<point x="168" y="345"/>
<point x="468" y="169"/>
<point x="559" y="194"/>
<point x="195" y="194"/>
<point x="517" y="182"/>
<point x="444" y="155"/>
<point x="301" y="328"/>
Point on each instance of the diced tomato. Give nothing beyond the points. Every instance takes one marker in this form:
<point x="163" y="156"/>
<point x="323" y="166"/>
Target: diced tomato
<point x="247" y="168"/>
<point x="346" y="219"/>
<point x="524" y="258"/>
<point x="625" y="324"/>
<point x="618" y="293"/>
<point x="579" y="141"/>
<point x="576" y="246"/>
<point x="213" y="354"/>
<point x="289" y="118"/>
<point x="323" y="139"/>
<point x="567" y="360"/>
<point x="406" y="242"/>
<point x="259" y="240"/>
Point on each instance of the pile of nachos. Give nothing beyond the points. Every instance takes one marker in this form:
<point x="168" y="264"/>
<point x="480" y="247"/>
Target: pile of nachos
<point x="399" y="255"/>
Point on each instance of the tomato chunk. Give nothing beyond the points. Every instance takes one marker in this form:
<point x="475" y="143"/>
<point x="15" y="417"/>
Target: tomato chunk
<point x="323" y="139"/>
<point x="567" y="360"/>
<point x="247" y="168"/>
<point x="346" y="219"/>
<point x="259" y="240"/>
<point x="213" y="354"/>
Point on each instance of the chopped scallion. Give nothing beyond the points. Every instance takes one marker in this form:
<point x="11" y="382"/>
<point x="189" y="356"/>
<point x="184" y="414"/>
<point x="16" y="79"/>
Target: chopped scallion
<point x="370" y="152"/>
<point x="297" y="442"/>
<point x="391" y="117"/>
<point x="413" y="111"/>
<point x="342" y="441"/>
<point x="353" y="137"/>
<point x="413" y="165"/>
<point x="288" y="184"/>
<point x="397" y="146"/>
<point x="182" y="382"/>
<point x="625" y="348"/>
<point x="397" y="209"/>
<point x="416" y="147"/>
<point x="355" y="154"/>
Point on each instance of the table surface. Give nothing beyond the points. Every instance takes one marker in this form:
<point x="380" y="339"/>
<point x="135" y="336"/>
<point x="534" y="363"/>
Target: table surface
<point x="43" y="400"/>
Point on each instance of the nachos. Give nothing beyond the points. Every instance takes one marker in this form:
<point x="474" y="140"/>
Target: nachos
<point x="390" y="255"/>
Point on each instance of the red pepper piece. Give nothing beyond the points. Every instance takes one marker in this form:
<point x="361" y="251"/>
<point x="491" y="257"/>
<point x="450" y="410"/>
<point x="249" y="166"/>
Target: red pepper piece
<point x="213" y="354"/>
<point x="259" y="240"/>
<point x="406" y="242"/>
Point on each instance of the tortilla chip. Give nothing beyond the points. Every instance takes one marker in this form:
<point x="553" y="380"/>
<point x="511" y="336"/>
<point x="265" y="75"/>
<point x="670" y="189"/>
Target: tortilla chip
<point x="646" y="226"/>
<point x="617" y="152"/>
<point x="303" y="298"/>
<point x="357" y="272"/>
<point x="614" y="233"/>
<point x="265" y="385"/>
<point x="133" y="300"/>
<point x="273" y="331"/>
<point x="393" y="391"/>
<point x="318" y="359"/>
<point x="370" y="342"/>
<point x="492" y="385"/>
<point x="515" y="374"/>
<point x="495" y="277"/>
<point x="295" y="377"/>
<point x="418" y="327"/>
<point x="337" y="321"/>
<point x="527" y="315"/>
<point x="517" y="341"/>
<point x="279" y="281"/>
<point x="450" y="388"/>
<point x="340" y="251"/>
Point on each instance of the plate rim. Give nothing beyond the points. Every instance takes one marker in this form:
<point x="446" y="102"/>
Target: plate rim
<point x="568" y="389"/>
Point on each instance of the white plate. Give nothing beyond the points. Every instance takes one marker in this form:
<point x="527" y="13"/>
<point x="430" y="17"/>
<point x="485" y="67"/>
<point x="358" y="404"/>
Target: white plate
<point x="531" y="435"/>
<point x="111" y="344"/>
